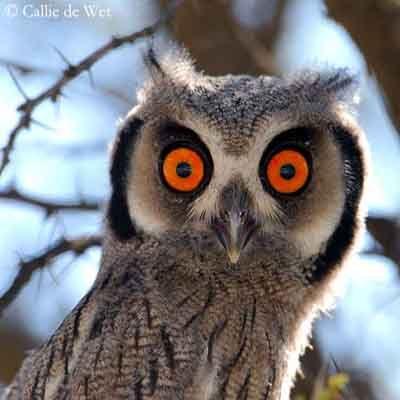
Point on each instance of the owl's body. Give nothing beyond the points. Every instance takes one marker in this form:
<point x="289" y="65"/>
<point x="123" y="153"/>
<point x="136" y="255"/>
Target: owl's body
<point x="213" y="269"/>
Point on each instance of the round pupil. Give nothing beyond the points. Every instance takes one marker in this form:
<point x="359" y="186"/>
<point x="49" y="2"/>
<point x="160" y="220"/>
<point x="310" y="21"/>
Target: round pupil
<point x="287" y="171"/>
<point x="183" y="170"/>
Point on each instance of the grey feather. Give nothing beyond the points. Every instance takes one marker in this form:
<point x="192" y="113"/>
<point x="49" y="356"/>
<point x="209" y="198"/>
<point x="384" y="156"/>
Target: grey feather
<point x="175" y="313"/>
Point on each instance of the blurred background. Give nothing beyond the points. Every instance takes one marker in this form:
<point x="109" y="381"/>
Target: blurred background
<point x="54" y="162"/>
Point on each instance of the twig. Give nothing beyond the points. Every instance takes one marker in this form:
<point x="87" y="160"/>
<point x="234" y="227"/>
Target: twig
<point x="220" y="45"/>
<point x="29" y="267"/>
<point x="261" y="56"/>
<point x="16" y="83"/>
<point x="48" y="206"/>
<point x="24" y="69"/>
<point x="70" y="73"/>
<point x="386" y="231"/>
<point x="379" y="44"/>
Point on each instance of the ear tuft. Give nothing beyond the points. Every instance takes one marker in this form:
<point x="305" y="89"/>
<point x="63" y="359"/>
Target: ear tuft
<point x="153" y="64"/>
<point x="330" y="85"/>
<point x="173" y="65"/>
<point x="342" y="84"/>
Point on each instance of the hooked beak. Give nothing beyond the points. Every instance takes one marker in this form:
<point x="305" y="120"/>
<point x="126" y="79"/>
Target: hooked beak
<point x="234" y="232"/>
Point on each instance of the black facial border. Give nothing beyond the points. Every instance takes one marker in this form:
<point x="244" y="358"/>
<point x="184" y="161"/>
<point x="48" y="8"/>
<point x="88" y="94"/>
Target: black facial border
<point x="186" y="138"/>
<point x="118" y="212"/>
<point x="297" y="139"/>
<point x="344" y="234"/>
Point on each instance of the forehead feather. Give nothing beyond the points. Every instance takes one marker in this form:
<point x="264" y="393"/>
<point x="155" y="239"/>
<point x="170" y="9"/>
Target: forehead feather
<point x="237" y="106"/>
<point x="240" y="97"/>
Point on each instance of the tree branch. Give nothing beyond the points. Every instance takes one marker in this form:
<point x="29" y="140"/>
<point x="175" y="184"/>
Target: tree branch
<point x="374" y="25"/>
<point x="24" y="69"/>
<point x="70" y="73"/>
<point x="29" y="267"/>
<point x="387" y="233"/>
<point x="220" y="44"/>
<point x="49" y="207"/>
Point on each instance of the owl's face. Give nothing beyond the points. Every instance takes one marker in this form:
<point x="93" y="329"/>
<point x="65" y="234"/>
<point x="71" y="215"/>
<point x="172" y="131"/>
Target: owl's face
<point x="242" y="164"/>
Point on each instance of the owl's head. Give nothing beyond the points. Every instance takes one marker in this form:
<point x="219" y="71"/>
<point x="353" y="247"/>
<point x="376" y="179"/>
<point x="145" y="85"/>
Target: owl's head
<point x="242" y="161"/>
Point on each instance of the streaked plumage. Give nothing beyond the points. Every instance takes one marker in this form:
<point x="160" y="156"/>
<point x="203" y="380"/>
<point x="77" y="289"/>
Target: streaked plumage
<point x="210" y="294"/>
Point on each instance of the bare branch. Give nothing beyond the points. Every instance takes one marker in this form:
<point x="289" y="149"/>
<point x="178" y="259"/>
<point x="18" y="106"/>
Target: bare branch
<point x="62" y="56"/>
<point x="220" y="45"/>
<point x="17" y="84"/>
<point x="70" y="73"/>
<point x="29" y="267"/>
<point x="49" y="206"/>
<point x="375" y="27"/>
<point x="24" y="69"/>
<point x="387" y="233"/>
<point x="260" y="55"/>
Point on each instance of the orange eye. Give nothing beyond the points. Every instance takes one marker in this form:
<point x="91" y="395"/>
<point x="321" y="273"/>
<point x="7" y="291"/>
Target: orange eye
<point x="288" y="171"/>
<point x="183" y="169"/>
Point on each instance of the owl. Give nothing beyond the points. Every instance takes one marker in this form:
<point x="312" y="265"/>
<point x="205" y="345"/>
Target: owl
<point x="235" y="203"/>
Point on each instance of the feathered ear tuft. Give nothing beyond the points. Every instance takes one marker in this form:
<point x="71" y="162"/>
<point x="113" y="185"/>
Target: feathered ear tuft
<point x="151" y="60"/>
<point x="332" y="85"/>
<point x="343" y="85"/>
<point x="173" y="64"/>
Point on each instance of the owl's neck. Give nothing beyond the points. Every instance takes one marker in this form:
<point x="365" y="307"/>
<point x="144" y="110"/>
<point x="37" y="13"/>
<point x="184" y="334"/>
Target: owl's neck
<point x="245" y="323"/>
